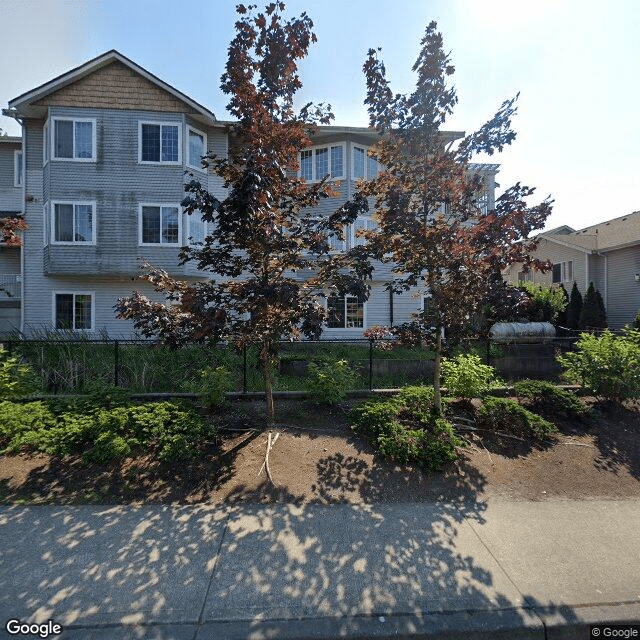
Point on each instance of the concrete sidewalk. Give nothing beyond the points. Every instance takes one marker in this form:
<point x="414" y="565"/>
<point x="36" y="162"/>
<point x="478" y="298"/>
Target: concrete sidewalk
<point x="495" y="569"/>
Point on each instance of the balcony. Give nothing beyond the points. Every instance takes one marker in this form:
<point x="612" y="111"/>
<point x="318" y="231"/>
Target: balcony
<point x="10" y="286"/>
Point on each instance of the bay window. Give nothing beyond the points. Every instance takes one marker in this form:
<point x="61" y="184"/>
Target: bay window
<point x="321" y="161"/>
<point x="73" y="222"/>
<point x="160" y="224"/>
<point x="159" y="143"/>
<point x="74" y="139"/>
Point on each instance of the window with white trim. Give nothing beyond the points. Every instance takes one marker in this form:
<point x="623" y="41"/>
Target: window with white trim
<point x="74" y="139"/>
<point x="73" y="311"/>
<point x="73" y="222"/>
<point x="562" y="272"/>
<point x="196" y="148"/>
<point x="363" y="223"/>
<point x="320" y="161"/>
<point x="198" y="229"/>
<point x="17" y="168"/>
<point x="363" y="165"/>
<point x="160" y="224"/>
<point x="159" y="142"/>
<point x="345" y="312"/>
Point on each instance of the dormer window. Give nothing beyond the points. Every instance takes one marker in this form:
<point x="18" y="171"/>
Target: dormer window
<point x="320" y="161"/>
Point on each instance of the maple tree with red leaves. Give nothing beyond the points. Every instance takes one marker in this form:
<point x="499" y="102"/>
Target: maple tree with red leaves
<point x="267" y="255"/>
<point x="430" y="226"/>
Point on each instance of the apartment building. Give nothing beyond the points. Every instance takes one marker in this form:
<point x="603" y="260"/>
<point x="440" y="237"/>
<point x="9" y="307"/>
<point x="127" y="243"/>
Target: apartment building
<point x="106" y="150"/>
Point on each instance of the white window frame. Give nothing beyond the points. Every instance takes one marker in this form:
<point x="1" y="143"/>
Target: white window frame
<point x="161" y="124"/>
<point x="189" y="232"/>
<point x="160" y="244"/>
<point x="190" y="129"/>
<point x="565" y="276"/>
<point x="46" y="143"/>
<point x="355" y="241"/>
<point x="366" y="175"/>
<point x="52" y="228"/>
<point x="18" y="168"/>
<point x="74" y="294"/>
<point x="52" y="131"/>
<point x="328" y="147"/>
<point x="345" y="328"/>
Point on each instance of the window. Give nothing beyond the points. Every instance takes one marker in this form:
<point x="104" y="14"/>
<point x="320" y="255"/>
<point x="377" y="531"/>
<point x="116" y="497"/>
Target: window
<point x="197" y="228"/>
<point x="525" y="276"/>
<point x="160" y="224"/>
<point x="197" y="148"/>
<point x="73" y="311"/>
<point x="17" y="168"/>
<point x="361" y="223"/>
<point x="345" y="313"/>
<point x="562" y="272"/>
<point x="159" y="143"/>
<point x="364" y="166"/>
<point x="318" y="162"/>
<point x="74" y="139"/>
<point x="73" y="222"/>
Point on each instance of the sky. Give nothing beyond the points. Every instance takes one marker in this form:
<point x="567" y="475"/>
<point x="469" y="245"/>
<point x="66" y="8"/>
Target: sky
<point x="575" y="63"/>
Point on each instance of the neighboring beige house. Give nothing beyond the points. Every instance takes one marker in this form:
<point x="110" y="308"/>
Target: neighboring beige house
<point x="607" y="254"/>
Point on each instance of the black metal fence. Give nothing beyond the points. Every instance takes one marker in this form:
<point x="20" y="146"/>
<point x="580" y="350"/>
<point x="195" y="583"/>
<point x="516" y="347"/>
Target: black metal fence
<point x="81" y="365"/>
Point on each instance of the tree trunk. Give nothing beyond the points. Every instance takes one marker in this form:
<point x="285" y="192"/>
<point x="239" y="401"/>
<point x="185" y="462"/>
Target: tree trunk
<point x="437" y="397"/>
<point x="265" y="361"/>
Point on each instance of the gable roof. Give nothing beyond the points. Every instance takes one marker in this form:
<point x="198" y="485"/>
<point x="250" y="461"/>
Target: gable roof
<point x="26" y="100"/>
<point x="604" y="236"/>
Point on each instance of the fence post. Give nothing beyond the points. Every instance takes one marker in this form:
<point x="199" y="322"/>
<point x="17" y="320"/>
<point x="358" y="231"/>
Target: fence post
<point x="370" y="364"/>
<point x="244" y="369"/>
<point x="116" y="363"/>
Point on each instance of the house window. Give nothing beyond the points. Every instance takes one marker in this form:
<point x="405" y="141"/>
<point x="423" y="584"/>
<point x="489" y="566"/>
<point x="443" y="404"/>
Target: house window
<point x="364" y="166"/>
<point x="361" y="223"/>
<point x="525" y="276"/>
<point x="73" y="222"/>
<point x="17" y="168"/>
<point x="74" y="139"/>
<point x="562" y="272"/>
<point x="345" y="313"/>
<point x="160" y="224"/>
<point x="73" y="311"/>
<point x="159" y="143"/>
<point x="197" y="228"/>
<point x="197" y="148"/>
<point x="318" y="162"/>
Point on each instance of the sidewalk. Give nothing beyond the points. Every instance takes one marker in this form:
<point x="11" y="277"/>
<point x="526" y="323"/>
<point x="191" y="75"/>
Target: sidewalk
<point x="494" y="569"/>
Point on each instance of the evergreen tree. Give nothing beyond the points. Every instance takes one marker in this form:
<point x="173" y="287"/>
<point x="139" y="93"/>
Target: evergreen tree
<point x="593" y="313"/>
<point x="561" y="320"/>
<point x="574" y="309"/>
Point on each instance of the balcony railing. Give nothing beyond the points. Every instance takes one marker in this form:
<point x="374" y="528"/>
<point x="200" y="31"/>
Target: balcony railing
<point x="10" y="286"/>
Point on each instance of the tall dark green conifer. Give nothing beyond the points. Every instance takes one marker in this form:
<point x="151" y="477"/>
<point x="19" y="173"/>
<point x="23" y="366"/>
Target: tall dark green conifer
<point x="574" y="309"/>
<point x="593" y="314"/>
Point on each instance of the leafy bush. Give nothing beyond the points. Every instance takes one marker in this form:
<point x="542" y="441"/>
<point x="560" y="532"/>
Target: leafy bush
<point x="501" y="414"/>
<point x="429" y="448"/>
<point x="608" y="366"/>
<point x="466" y="376"/>
<point x="329" y="382"/>
<point x="546" y="302"/>
<point x="636" y="322"/>
<point x="406" y="429"/>
<point x="16" y="379"/>
<point x="213" y="385"/>
<point x="172" y="429"/>
<point x="547" y="395"/>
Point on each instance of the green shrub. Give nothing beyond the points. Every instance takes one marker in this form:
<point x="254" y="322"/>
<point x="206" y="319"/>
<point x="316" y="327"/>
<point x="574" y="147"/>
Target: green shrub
<point x="406" y="429"/>
<point x="501" y="414"/>
<point x="466" y="376"/>
<point x="429" y="448"/>
<point x="607" y="365"/>
<point x="213" y="385"/>
<point x="16" y="379"/>
<point x="547" y="395"/>
<point x="329" y="382"/>
<point x="547" y="302"/>
<point x="636" y="322"/>
<point x="170" y="430"/>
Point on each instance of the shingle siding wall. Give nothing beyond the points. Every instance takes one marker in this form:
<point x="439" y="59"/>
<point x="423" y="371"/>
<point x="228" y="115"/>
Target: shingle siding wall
<point x="623" y="292"/>
<point x="10" y="196"/>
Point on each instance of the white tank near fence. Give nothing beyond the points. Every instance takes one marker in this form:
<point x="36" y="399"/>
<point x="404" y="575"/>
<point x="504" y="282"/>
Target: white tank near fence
<point x="522" y="332"/>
